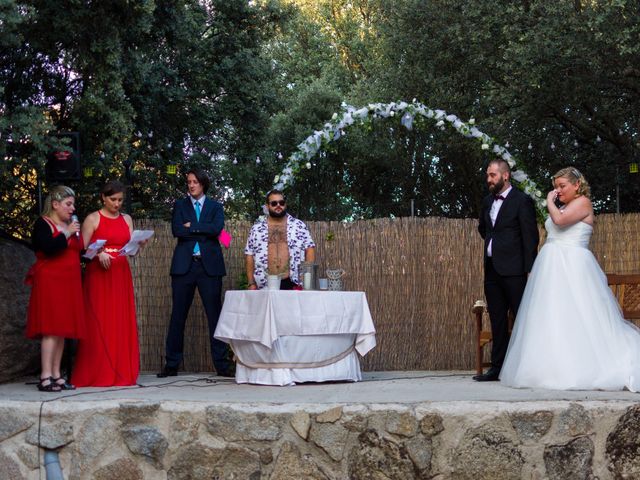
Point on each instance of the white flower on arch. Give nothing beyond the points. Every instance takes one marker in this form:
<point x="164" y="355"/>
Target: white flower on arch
<point x="334" y="129"/>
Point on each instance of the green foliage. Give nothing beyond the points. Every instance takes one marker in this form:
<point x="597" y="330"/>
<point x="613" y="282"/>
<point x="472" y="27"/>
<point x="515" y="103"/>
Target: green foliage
<point x="148" y="85"/>
<point x="557" y="81"/>
<point x="234" y="87"/>
<point x="553" y="75"/>
<point x="242" y="283"/>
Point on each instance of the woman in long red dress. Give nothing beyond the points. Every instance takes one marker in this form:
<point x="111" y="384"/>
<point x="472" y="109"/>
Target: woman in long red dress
<point x="109" y="355"/>
<point x="56" y="307"/>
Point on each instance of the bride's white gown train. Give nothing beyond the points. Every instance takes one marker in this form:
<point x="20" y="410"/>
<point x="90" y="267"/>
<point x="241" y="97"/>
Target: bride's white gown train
<point x="569" y="333"/>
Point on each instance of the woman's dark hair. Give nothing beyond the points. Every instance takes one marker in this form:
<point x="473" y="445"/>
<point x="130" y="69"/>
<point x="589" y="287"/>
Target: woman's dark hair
<point x="112" y="187"/>
<point x="202" y="177"/>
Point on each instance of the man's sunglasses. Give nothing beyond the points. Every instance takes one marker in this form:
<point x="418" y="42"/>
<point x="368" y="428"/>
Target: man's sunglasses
<point x="275" y="203"/>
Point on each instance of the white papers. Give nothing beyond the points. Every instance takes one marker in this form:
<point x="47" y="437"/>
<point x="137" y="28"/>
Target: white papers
<point x="137" y="237"/>
<point x="92" y="249"/>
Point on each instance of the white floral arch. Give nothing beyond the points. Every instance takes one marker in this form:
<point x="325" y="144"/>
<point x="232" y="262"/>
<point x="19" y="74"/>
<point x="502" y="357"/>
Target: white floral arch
<point x="350" y="115"/>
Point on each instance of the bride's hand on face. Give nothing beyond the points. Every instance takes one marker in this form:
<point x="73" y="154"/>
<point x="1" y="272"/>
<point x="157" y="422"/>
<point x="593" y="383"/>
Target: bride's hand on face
<point x="551" y="196"/>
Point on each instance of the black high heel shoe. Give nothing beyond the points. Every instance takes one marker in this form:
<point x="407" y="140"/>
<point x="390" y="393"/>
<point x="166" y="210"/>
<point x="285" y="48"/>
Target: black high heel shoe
<point x="65" y="385"/>
<point x="52" y="386"/>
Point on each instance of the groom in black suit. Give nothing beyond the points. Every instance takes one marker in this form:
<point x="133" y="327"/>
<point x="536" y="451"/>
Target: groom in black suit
<point x="510" y="232"/>
<point x="197" y="262"/>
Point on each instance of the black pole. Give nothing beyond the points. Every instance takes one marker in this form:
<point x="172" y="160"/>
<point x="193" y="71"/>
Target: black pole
<point x="617" y="189"/>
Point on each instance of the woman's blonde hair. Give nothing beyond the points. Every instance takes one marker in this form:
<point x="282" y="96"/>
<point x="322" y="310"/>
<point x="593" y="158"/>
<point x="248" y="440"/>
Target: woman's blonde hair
<point x="574" y="176"/>
<point x="57" y="194"/>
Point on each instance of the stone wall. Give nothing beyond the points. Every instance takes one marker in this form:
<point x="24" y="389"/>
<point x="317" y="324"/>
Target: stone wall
<point x="18" y="356"/>
<point x="456" y="440"/>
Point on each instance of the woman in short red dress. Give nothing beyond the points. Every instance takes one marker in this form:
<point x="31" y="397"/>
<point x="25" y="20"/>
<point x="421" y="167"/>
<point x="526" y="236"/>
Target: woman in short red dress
<point x="109" y="355"/>
<point x="56" y="307"/>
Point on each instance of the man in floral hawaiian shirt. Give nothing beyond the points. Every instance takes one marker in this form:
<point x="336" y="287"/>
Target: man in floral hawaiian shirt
<point x="277" y="245"/>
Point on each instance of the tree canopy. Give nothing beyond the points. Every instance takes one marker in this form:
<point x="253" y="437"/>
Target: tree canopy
<point x="158" y="86"/>
<point x="148" y="85"/>
<point x="556" y="81"/>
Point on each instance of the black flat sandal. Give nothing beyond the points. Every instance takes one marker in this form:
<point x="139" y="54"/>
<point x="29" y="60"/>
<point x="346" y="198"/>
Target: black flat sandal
<point x="52" y="386"/>
<point x="63" y="386"/>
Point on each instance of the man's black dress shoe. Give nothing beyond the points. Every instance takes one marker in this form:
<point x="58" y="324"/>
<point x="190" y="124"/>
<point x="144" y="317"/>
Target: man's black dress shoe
<point x="168" y="372"/>
<point x="492" y="375"/>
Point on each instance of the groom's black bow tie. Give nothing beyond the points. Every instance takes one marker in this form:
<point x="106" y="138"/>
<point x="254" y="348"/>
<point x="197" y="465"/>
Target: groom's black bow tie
<point x="498" y="197"/>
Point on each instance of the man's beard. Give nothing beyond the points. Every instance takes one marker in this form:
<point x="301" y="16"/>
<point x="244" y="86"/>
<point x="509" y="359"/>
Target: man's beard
<point x="495" y="188"/>
<point x="277" y="214"/>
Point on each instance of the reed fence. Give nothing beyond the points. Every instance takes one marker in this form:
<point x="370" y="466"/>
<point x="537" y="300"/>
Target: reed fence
<point x="421" y="277"/>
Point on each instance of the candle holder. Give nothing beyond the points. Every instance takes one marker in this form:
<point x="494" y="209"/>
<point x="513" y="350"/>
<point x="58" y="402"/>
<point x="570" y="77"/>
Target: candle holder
<point x="308" y="272"/>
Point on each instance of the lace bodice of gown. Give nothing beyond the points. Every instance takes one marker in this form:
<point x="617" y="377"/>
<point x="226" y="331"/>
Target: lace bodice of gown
<point x="577" y="234"/>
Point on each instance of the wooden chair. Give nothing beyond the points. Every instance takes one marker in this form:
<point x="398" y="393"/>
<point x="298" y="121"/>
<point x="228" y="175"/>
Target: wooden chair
<point x="483" y="332"/>
<point x="626" y="289"/>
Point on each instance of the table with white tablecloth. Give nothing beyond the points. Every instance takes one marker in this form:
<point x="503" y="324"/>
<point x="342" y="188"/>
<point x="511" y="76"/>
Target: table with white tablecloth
<point x="283" y="337"/>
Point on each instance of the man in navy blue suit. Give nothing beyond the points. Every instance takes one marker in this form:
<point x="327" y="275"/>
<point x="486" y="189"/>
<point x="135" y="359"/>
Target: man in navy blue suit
<point x="197" y="262"/>
<point x="510" y="232"/>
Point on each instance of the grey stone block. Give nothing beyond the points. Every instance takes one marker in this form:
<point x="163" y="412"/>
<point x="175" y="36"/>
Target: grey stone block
<point x="330" y="437"/>
<point x="401" y="423"/>
<point x="570" y="461"/>
<point x="431" y="424"/>
<point x="301" y="423"/>
<point x="357" y="422"/>
<point x="420" y="450"/>
<point x="233" y="426"/>
<point x="97" y="434"/>
<point x="623" y="445"/>
<point x="122" y="468"/>
<point x="12" y="422"/>
<point x="183" y="429"/>
<point x="330" y="416"/>
<point x="531" y="426"/>
<point x="487" y="453"/>
<point x="9" y="468"/>
<point x="136" y="413"/>
<point x="291" y="464"/>
<point x="200" y="461"/>
<point x="266" y="455"/>
<point x="51" y="436"/>
<point x="30" y="456"/>
<point x="575" y="421"/>
<point x="147" y="442"/>
<point x="377" y="457"/>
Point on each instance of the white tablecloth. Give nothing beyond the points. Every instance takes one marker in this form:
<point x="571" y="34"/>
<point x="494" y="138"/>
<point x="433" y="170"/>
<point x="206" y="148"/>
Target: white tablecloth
<point x="285" y="337"/>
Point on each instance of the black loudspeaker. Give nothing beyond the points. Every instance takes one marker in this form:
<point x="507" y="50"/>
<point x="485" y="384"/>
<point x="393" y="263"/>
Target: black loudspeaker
<point x="64" y="164"/>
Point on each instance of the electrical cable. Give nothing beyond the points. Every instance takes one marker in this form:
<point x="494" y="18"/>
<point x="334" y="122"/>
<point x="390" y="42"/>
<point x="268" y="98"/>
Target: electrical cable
<point x="417" y="377"/>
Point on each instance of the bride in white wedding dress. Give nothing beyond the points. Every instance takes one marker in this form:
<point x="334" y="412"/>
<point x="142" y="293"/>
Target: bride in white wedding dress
<point x="569" y="333"/>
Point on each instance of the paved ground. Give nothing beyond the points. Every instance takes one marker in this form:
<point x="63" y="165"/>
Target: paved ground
<point x="376" y="387"/>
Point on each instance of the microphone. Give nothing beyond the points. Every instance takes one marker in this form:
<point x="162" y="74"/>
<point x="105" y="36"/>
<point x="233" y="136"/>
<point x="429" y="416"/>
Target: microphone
<point x="74" y="218"/>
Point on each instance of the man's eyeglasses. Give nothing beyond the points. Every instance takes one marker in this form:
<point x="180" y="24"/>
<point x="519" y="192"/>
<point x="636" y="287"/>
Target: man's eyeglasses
<point x="275" y="203"/>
